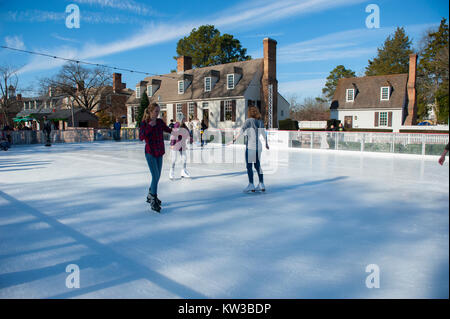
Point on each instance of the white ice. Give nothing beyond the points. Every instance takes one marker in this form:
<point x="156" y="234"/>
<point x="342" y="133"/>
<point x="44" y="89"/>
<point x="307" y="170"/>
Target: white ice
<point x="325" y="217"/>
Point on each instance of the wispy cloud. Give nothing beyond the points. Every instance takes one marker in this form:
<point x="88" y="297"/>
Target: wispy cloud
<point x="304" y="88"/>
<point x="58" y="37"/>
<point x="14" y="42"/>
<point x="126" y="5"/>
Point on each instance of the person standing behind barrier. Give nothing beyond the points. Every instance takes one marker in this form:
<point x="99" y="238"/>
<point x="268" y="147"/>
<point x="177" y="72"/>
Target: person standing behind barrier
<point x="47" y="130"/>
<point x="178" y="140"/>
<point x="151" y="130"/>
<point x="117" y="127"/>
<point x="442" y="158"/>
<point x="253" y="127"/>
<point x="203" y="128"/>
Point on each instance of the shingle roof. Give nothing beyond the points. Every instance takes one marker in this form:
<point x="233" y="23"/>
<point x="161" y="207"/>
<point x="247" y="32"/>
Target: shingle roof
<point x="368" y="92"/>
<point x="168" y="90"/>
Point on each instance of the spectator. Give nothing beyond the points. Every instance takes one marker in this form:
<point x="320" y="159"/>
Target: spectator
<point x="47" y="130"/>
<point x="442" y="158"/>
<point x="117" y="127"/>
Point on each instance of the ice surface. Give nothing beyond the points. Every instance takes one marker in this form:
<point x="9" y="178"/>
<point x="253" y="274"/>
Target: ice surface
<point x="325" y="217"/>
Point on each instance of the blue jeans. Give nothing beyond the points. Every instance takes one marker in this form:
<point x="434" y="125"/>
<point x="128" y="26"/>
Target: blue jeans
<point x="254" y="159"/>
<point x="155" y="166"/>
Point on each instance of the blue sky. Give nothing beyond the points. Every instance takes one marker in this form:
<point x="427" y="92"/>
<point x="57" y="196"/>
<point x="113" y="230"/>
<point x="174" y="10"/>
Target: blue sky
<point x="313" y="36"/>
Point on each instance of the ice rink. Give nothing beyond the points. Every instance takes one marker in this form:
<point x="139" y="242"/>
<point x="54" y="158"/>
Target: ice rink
<point x="325" y="217"/>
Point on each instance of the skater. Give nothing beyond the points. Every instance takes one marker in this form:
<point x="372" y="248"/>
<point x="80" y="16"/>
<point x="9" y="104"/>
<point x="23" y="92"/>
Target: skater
<point x="203" y="128"/>
<point x="252" y="128"/>
<point x="171" y="125"/>
<point x="151" y="130"/>
<point x="4" y="143"/>
<point x="178" y="139"/>
<point x="117" y="127"/>
<point x="442" y="158"/>
<point x="47" y="130"/>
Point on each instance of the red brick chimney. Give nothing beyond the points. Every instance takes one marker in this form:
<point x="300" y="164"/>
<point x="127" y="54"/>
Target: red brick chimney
<point x="19" y="97"/>
<point x="269" y="78"/>
<point x="117" y="82"/>
<point x="412" y="104"/>
<point x="184" y="63"/>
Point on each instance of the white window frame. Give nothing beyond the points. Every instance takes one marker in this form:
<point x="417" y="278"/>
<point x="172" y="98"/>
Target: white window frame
<point x="179" y="109"/>
<point x="149" y="90"/>
<point x="388" y="93"/>
<point x="191" y="106"/>
<point x="384" y="118"/>
<point x="228" y="109"/>
<point x="208" y="85"/>
<point x="353" y="95"/>
<point x="138" y="92"/>
<point x="230" y="76"/>
<point x="180" y="87"/>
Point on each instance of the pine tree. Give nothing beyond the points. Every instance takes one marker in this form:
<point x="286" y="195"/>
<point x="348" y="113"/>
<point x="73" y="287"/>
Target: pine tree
<point x="393" y="57"/>
<point x="144" y="104"/>
<point x="337" y="73"/>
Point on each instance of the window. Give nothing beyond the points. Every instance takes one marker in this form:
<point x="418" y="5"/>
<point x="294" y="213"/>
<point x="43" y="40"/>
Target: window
<point x="282" y="113"/>
<point x="138" y="92"/>
<point x="179" y="109"/>
<point x="180" y="87"/>
<point x="205" y="105"/>
<point x="134" y="113"/>
<point x="385" y="93"/>
<point x="207" y="84"/>
<point x="228" y="110"/>
<point x="191" y="111"/>
<point x="149" y="90"/>
<point x="350" y="95"/>
<point x="383" y="119"/>
<point x="230" y="81"/>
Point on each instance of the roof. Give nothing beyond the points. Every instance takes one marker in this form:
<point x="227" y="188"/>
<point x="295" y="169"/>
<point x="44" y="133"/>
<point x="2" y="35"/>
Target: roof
<point x="168" y="90"/>
<point x="368" y="92"/>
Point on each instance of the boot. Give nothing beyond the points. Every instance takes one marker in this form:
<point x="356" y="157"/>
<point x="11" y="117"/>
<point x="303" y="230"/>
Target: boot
<point x="154" y="204"/>
<point x="260" y="187"/>
<point x="171" y="175"/>
<point x="250" y="188"/>
<point x="184" y="173"/>
<point x="156" y="198"/>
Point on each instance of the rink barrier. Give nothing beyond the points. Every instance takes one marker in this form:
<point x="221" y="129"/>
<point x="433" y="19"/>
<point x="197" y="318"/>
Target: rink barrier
<point x="385" y="142"/>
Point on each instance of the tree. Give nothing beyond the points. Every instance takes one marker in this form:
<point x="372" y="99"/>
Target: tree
<point x="8" y="79"/>
<point x="86" y="86"/>
<point x="311" y="109"/>
<point x="144" y="104"/>
<point x="337" y="73"/>
<point x="433" y="73"/>
<point x="393" y="57"/>
<point x="206" y="46"/>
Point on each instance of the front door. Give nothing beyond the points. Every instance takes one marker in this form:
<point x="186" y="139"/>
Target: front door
<point x="206" y="115"/>
<point x="348" y="121"/>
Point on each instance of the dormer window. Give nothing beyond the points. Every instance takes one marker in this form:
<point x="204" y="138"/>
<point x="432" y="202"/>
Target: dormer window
<point x="138" y="92"/>
<point x="384" y="94"/>
<point x="149" y="90"/>
<point x="207" y="84"/>
<point x="350" y="95"/>
<point x="230" y="81"/>
<point x="180" y="87"/>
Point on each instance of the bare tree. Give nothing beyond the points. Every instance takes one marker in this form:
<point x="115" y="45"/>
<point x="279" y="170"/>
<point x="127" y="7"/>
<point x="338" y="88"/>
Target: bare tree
<point x="8" y="79"/>
<point x="86" y="86"/>
<point x="311" y="109"/>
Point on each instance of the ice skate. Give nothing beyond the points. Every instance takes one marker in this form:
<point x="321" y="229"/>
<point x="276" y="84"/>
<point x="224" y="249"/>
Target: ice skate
<point x="185" y="174"/>
<point x="171" y="174"/>
<point x="250" y="188"/>
<point x="260" y="187"/>
<point x="149" y="199"/>
<point x="153" y="203"/>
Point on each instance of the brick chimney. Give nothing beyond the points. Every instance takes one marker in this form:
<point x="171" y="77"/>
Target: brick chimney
<point x="269" y="78"/>
<point x="117" y="82"/>
<point x="411" y="87"/>
<point x="184" y="63"/>
<point x="19" y="97"/>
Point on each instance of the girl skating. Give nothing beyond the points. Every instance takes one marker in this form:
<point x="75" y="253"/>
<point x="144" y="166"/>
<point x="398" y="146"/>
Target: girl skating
<point x="151" y="130"/>
<point x="253" y="127"/>
<point x="178" y="139"/>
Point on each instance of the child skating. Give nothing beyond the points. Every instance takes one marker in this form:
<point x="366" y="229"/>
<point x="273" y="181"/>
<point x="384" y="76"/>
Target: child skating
<point x="253" y="127"/>
<point x="151" y="130"/>
<point x="178" y="139"/>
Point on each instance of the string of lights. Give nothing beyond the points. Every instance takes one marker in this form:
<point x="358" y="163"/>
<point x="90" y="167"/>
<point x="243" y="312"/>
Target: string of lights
<point x="85" y="62"/>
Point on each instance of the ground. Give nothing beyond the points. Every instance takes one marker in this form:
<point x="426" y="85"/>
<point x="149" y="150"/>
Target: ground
<point x="325" y="217"/>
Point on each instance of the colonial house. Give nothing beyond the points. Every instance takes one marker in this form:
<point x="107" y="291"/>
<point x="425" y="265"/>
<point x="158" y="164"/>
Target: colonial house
<point x="15" y="105"/>
<point x="377" y="102"/>
<point x="220" y="94"/>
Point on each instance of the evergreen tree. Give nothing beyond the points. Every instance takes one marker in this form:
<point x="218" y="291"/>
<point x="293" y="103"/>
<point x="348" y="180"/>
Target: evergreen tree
<point x="433" y="73"/>
<point x="337" y="73"/>
<point x="393" y="57"/>
<point x="144" y="104"/>
<point x="206" y="46"/>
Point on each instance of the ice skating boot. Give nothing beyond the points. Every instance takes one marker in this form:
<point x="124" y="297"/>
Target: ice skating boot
<point x="260" y="187"/>
<point x="250" y="188"/>
<point x="149" y="199"/>
<point x="154" y="204"/>
<point x="171" y="175"/>
<point x="185" y="174"/>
